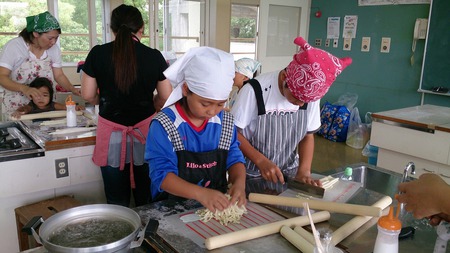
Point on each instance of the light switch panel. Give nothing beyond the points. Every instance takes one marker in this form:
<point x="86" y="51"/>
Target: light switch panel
<point x="327" y="42"/>
<point x="385" y="44"/>
<point x="365" y="44"/>
<point x="347" y="44"/>
<point x="335" y="43"/>
<point x="318" y="42"/>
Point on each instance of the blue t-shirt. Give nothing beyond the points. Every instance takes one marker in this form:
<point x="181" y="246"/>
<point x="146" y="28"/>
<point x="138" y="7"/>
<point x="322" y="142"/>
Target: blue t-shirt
<point x="160" y="154"/>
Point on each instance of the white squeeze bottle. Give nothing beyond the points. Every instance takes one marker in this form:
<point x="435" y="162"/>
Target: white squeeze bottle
<point x="388" y="230"/>
<point x="71" y="114"/>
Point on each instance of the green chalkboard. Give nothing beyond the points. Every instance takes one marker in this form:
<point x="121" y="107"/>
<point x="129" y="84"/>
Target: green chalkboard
<point x="436" y="63"/>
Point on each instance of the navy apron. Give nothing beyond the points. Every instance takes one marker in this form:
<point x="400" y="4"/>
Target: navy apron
<point x="207" y="169"/>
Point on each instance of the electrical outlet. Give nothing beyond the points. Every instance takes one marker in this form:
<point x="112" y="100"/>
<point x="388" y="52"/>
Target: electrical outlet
<point x="327" y="42"/>
<point x="347" y="44"/>
<point x="365" y="44"/>
<point x="385" y="44"/>
<point x="318" y="42"/>
<point x="62" y="167"/>
<point x="335" y="43"/>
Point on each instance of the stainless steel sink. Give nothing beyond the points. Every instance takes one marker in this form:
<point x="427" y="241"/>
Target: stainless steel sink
<point x="378" y="182"/>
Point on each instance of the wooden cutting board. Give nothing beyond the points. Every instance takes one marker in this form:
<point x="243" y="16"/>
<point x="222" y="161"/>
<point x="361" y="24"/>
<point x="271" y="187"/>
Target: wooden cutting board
<point x="198" y="231"/>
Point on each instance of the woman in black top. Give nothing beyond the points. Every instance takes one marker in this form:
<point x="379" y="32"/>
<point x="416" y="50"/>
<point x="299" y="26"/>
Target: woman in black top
<point x="121" y="76"/>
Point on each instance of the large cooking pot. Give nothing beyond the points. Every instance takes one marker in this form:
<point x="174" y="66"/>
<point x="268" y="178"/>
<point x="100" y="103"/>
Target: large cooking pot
<point x="91" y="228"/>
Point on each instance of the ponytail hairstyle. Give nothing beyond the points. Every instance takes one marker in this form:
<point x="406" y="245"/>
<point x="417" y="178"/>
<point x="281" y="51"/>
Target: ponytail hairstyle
<point x="126" y="20"/>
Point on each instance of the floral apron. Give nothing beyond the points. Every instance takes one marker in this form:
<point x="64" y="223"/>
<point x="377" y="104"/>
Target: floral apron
<point x="25" y="74"/>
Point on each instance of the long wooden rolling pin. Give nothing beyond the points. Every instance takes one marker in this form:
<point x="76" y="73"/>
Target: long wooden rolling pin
<point x="44" y="115"/>
<point x="297" y="240"/>
<point x="263" y="230"/>
<point x="352" y="225"/>
<point x="316" y="204"/>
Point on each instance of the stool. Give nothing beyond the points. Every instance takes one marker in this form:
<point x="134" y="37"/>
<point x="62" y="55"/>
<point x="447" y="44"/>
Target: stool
<point x="45" y="208"/>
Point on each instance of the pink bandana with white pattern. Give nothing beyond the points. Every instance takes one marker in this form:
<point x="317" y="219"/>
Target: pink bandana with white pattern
<point x="312" y="71"/>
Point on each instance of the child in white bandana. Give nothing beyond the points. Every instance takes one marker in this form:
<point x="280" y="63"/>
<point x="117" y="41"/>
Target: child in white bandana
<point x="245" y="69"/>
<point x="192" y="143"/>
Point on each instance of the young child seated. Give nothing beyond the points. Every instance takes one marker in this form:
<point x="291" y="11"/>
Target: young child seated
<point x="192" y="143"/>
<point x="44" y="103"/>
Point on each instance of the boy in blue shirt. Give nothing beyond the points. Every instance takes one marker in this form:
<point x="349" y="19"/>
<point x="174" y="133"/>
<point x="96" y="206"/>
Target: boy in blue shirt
<point x="192" y="143"/>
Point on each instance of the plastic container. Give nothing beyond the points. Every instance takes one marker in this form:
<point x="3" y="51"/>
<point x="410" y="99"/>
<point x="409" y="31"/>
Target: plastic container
<point x="347" y="176"/>
<point x="389" y="228"/>
<point x="71" y="114"/>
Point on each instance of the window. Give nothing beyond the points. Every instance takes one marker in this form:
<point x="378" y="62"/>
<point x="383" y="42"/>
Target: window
<point x="13" y="14"/>
<point x="243" y="31"/>
<point x="80" y="31"/>
<point x="174" y="26"/>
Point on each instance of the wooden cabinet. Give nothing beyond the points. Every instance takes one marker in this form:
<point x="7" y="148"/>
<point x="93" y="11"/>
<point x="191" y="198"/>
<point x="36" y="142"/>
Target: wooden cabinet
<point x="418" y="134"/>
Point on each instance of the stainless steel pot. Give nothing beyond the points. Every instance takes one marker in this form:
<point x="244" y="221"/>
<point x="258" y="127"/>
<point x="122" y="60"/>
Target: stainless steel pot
<point x="85" y="214"/>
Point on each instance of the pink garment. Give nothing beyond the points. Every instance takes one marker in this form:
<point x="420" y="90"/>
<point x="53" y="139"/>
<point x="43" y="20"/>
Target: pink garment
<point x="106" y="127"/>
<point x="312" y="71"/>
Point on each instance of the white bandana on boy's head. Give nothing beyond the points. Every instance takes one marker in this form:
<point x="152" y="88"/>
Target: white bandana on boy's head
<point x="208" y="72"/>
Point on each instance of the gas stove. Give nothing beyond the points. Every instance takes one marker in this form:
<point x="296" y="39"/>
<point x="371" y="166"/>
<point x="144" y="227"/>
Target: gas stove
<point x="17" y="142"/>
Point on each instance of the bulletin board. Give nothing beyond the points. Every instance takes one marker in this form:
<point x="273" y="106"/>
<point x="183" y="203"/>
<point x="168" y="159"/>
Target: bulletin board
<point x="388" y="2"/>
<point x="436" y="62"/>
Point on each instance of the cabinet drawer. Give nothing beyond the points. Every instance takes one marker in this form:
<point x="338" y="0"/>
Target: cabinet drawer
<point x="395" y="161"/>
<point x="430" y="146"/>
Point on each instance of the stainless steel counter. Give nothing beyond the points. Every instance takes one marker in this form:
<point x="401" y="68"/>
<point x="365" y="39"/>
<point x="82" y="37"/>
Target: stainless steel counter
<point x="377" y="183"/>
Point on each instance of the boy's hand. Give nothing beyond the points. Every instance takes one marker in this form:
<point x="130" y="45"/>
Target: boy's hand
<point x="270" y="171"/>
<point x="213" y="199"/>
<point x="238" y="195"/>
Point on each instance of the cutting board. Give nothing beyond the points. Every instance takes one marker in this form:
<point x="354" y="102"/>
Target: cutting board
<point x="198" y="231"/>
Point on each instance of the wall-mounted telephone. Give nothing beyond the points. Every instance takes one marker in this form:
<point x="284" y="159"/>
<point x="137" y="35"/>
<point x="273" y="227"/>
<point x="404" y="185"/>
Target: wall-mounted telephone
<point x="420" y="29"/>
<point x="420" y="32"/>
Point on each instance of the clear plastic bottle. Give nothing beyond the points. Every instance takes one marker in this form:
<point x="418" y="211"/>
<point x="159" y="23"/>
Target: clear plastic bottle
<point x="389" y="228"/>
<point x="71" y="115"/>
<point x="347" y="176"/>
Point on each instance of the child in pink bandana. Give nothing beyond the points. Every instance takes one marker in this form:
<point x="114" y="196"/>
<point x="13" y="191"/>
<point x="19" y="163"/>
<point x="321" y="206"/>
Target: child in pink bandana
<point x="277" y="119"/>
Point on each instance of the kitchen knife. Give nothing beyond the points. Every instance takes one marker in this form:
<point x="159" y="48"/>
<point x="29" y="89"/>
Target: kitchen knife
<point x="304" y="188"/>
<point x="154" y="242"/>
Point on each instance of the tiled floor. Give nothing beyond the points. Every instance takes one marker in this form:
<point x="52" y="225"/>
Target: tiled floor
<point x="331" y="155"/>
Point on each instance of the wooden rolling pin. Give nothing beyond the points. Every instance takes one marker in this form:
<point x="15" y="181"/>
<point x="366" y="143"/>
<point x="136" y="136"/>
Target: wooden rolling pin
<point x="44" y="115"/>
<point x="305" y="234"/>
<point x="263" y="230"/>
<point x="297" y="240"/>
<point x="352" y="225"/>
<point x="316" y="204"/>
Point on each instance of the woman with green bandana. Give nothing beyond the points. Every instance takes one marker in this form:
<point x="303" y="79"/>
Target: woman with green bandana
<point x="32" y="54"/>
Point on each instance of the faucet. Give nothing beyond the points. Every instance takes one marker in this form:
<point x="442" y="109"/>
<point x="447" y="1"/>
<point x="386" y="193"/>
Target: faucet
<point x="410" y="167"/>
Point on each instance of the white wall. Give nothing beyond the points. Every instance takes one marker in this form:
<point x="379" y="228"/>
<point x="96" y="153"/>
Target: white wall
<point x="28" y="181"/>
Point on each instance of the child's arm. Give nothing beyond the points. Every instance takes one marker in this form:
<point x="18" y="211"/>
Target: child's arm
<point x="237" y="176"/>
<point x="21" y="111"/>
<point x="209" y="198"/>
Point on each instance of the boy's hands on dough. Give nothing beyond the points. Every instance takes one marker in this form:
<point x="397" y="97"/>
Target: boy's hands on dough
<point x="213" y="199"/>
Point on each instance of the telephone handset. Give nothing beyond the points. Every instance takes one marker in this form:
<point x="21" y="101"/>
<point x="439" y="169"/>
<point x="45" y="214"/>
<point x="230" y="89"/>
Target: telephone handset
<point x="420" y="29"/>
<point x="420" y="32"/>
